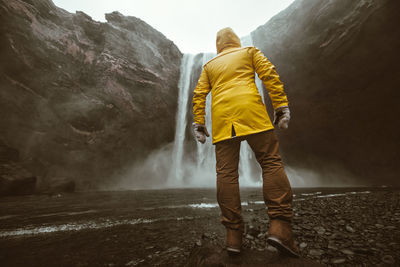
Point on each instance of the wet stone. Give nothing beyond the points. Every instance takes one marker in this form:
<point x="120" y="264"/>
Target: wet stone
<point x="350" y="229"/>
<point x="380" y="245"/>
<point x="261" y="235"/>
<point x="307" y="227"/>
<point x="332" y="246"/>
<point x="388" y="259"/>
<point x="253" y="231"/>
<point x="303" y="245"/>
<point x="271" y="248"/>
<point x="250" y="237"/>
<point x="134" y="262"/>
<point x="173" y="249"/>
<point x="338" y="260"/>
<point x="347" y="251"/>
<point x="316" y="252"/>
<point x="320" y="230"/>
<point x="362" y="251"/>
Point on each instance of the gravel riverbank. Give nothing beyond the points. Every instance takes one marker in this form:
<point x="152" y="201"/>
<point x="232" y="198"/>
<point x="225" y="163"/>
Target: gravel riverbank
<point x="334" y="227"/>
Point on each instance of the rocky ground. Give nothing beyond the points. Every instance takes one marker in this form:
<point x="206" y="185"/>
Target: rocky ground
<point x="351" y="229"/>
<point x="345" y="227"/>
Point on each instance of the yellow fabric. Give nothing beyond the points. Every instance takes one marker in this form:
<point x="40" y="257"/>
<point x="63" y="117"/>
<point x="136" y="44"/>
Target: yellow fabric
<point x="235" y="101"/>
<point x="226" y="38"/>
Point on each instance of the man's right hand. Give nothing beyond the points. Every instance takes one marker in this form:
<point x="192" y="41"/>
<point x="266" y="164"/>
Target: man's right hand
<point x="282" y="117"/>
<point x="200" y="131"/>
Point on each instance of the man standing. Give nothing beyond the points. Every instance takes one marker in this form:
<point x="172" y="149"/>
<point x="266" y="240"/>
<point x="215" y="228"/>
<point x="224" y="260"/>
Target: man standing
<point x="238" y="113"/>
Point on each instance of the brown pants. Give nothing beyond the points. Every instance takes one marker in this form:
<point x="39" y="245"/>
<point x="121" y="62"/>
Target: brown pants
<point x="276" y="187"/>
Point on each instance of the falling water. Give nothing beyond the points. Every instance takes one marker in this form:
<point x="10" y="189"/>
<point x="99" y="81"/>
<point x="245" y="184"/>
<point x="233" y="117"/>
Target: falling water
<point x="205" y="152"/>
<point x="181" y="118"/>
<point x="246" y="154"/>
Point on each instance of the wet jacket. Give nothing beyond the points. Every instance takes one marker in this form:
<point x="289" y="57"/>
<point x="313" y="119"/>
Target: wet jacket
<point x="235" y="100"/>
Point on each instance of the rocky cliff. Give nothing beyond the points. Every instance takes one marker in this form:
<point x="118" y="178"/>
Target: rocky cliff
<point x="339" y="61"/>
<point x="77" y="96"/>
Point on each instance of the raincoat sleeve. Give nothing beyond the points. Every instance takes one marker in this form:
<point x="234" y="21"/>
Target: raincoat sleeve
<point x="199" y="97"/>
<point x="267" y="73"/>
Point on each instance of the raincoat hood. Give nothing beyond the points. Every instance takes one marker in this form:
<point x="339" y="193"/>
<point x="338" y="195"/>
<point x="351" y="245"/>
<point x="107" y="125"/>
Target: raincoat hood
<point x="226" y="38"/>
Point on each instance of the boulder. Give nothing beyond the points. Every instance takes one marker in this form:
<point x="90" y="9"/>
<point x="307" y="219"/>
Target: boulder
<point x="62" y="184"/>
<point x="15" y="180"/>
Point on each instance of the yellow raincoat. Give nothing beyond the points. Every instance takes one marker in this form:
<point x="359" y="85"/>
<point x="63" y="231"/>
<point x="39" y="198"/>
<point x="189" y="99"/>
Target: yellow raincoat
<point x="235" y="100"/>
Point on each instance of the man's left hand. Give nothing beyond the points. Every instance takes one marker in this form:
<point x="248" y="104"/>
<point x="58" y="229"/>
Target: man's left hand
<point x="282" y="117"/>
<point x="200" y="131"/>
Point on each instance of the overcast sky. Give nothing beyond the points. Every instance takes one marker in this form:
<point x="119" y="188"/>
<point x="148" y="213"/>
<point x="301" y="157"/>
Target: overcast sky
<point x="192" y="25"/>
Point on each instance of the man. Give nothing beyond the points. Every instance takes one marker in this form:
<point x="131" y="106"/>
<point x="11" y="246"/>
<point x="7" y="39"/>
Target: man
<point x="238" y="113"/>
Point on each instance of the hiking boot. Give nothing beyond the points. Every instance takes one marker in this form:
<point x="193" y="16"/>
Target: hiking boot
<point x="233" y="240"/>
<point x="281" y="237"/>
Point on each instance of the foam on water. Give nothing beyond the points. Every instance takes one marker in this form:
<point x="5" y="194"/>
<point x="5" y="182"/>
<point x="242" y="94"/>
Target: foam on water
<point x="342" y="194"/>
<point x="72" y="213"/>
<point x="311" y="194"/>
<point x="204" y="205"/>
<point x="79" y="226"/>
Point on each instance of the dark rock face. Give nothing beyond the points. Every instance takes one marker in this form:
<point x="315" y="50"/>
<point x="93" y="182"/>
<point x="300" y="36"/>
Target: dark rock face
<point x="14" y="178"/>
<point x="339" y="62"/>
<point x="77" y="96"/>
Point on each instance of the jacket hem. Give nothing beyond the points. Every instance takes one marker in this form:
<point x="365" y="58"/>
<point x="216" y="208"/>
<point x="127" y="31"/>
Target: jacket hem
<point x="239" y="135"/>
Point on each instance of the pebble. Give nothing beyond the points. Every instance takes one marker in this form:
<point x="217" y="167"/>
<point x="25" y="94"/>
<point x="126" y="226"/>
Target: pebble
<point x="332" y="246"/>
<point x="271" y="248"/>
<point x="347" y="251"/>
<point x="336" y="236"/>
<point x="362" y="251"/>
<point x="388" y="259"/>
<point x="349" y="229"/>
<point x="250" y="237"/>
<point x="173" y="249"/>
<point x="320" y="230"/>
<point x="380" y="245"/>
<point x="261" y="235"/>
<point x="306" y="226"/>
<point x="338" y="260"/>
<point x="134" y="262"/>
<point x="316" y="252"/>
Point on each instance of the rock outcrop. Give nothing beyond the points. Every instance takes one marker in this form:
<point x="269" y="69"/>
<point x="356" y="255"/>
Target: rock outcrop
<point x="14" y="178"/>
<point x="80" y="99"/>
<point x="339" y="61"/>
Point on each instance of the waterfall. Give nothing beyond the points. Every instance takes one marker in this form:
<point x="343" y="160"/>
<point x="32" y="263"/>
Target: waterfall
<point x="205" y="152"/>
<point x="246" y="168"/>
<point x="177" y="172"/>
